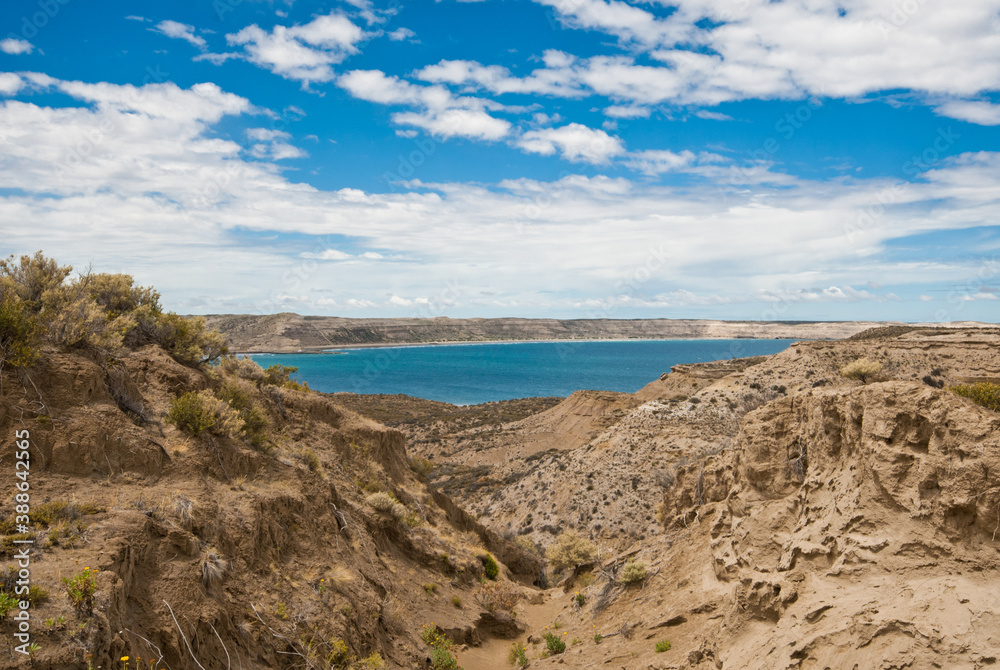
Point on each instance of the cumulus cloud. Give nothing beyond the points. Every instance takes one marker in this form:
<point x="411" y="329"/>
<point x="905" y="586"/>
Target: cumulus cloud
<point x="14" y="46"/>
<point x="400" y="34"/>
<point x="707" y="53"/>
<point x="440" y="113"/>
<point x="180" y="31"/>
<point x="305" y="52"/>
<point x="273" y="144"/>
<point x="983" y="113"/>
<point x="574" y="142"/>
<point x="154" y="175"/>
<point x="10" y="83"/>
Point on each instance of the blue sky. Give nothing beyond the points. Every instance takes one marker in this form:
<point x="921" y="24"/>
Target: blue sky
<point x="571" y="158"/>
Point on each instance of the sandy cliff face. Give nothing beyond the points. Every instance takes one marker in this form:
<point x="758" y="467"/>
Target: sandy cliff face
<point x="788" y="517"/>
<point x="856" y="529"/>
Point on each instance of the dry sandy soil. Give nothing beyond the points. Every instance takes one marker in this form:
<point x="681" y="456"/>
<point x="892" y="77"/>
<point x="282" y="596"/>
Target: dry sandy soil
<point x="787" y="517"/>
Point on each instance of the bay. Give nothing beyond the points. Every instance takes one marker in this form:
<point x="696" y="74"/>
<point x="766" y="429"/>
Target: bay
<point x="465" y="374"/>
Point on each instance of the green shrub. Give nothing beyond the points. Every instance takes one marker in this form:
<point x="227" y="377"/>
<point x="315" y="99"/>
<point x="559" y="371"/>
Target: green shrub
<point x="984" y="394"/>
<point x="7" y="603"/>
<point x="117" y="295"/>
<point x="570" y="550"/>
<point x="421" y="466"/>
<point x="240" y="396"/>
<point x="198" y="412"/>
<point x="490" y="567"/>
<point x="442" y="659"/>
<point x="32" y="276"/>
<point x="517" y="655"/>
<point x="189" y="413"/>
<point x="662" y="646"/>
<point x="633" y="572"/>
<point x="862" y="369"/>
<point x="554" y="643"/>
<point x="72" y="319"/>
<point x="80" y="589"/>
<point x="19" y="330"/>
<point x="281" y="375"/>
<point x="189" y="340"/>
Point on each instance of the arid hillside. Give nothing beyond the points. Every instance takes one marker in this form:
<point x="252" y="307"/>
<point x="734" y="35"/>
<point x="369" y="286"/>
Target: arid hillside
<point x="291" y="332"/>
<point x="212" y="516"/>
<point x="784" y="515"/>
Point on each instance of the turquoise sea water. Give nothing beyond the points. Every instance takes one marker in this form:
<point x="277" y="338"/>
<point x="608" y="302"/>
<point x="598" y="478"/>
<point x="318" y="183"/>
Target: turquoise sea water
<point x="466" y="374"/>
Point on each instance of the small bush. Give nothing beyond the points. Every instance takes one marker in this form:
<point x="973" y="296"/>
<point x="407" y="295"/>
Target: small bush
<point x="189" y="340"/>
<point x="32" y="276"/>
<point x="554" y="643"/>
<point x="421" y="466"/>
<point x="189" y="414"/>
<point x="373" y="662"/>
<point x="597" y="638"/>
<point x="862" y="369"/>
<point x="496" y="596"/>
<point x="456" y="601"/>
<point x="570" y="550"/>
<point x="19" y="331"/>
<point x="517" y="655"/>
<point x="7" y="603"/>
<point x="430" y="588"/>
<point x="242" y="367"/>
<point x="213" y="568"/>
<point x="662" y="646"/>
<point x="442" y="659"/>
<point x="199" y="412"/>
<point x="984" y="394"/>
<point x="388" y="505"/>
<point x="281" y="375"/>
<point x="80" y="589"/>
<point x="633" y="572"/>
<point x="240" y="396"/>
<point x="490" y="567"/>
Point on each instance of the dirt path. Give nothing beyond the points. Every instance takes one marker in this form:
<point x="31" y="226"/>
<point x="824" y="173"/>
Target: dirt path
<point x="548" y="611"/>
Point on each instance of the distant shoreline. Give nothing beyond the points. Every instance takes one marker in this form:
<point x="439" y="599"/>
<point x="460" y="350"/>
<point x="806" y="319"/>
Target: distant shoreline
<point x="332" y="349"/>
<point x="288" y="333"/>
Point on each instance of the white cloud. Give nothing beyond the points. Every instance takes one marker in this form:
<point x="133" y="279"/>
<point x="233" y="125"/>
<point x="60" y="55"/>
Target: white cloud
<point x="574" y="142"/>
<point x="153" y="176"/>
<point x="946" y="54"/>
<point x="400" y="34"/>
<point x="713" y="116"/>
<point x="328" y="255"/>
<point x="440" y="113"/>
<point x="471" y="123"/>
<point x="305" y="52"/>
<point x="181" y="31"/>
<point x="983" y="113"/>
<point x="926" y="298"/>
<point x="14" y="46"/>
<point x="653" y="162"/>
<point x="10" y="83"/>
